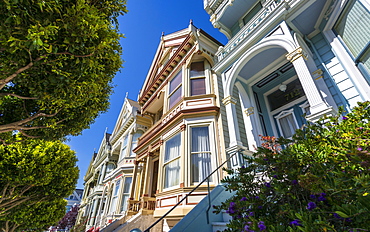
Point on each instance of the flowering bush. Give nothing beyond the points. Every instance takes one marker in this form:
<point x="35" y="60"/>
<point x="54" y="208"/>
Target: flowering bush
<point x="319" y="181"/>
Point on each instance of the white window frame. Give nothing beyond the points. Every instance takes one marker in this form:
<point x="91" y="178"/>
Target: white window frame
<point x="204" y="77"/>
<point x="171" y="160"/>
<point x="283" y="114"/>
<point x="114" y="200"/>
<point x="124" y="205"/>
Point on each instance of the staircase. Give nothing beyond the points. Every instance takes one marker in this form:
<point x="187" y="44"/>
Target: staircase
<point x="199" y="220"/>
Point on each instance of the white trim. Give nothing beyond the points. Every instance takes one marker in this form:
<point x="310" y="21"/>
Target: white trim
<point x="283" y="114"/>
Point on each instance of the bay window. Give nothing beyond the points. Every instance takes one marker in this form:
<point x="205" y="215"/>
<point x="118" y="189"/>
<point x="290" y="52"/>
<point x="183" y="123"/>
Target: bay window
<point x="124" y="147"/>
<point x="175" y="92"/>
<point x="353" y="28"/>
<point x="172" y="161"/>
<point x="134" y="142"/>
<point x="200" y="154"/>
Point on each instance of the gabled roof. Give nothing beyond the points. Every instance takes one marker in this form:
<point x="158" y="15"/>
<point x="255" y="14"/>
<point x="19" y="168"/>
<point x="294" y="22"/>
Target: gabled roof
<point x="173" y="49"/>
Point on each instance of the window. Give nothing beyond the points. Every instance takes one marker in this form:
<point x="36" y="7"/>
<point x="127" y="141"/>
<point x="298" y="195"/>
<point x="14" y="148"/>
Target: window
<point x="197" y="79"/>
<point x="175" y="90"/>
<point x="287" y="123"/>
<point x="124" y="147"/>
<point x="353" y="27"/>
<point x="134" y="142"/>
<point x="110" y="167"/>
<point x="126" y="193"/>
<point x="115" y="197"/>
<point x="200" y="154"/>
<point x="172" y="161"/>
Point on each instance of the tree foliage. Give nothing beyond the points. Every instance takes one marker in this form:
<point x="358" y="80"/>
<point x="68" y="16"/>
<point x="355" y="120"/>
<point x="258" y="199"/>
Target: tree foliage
<point x="35" y="171"/>
<point x="319" y="181"/>
<point x="69" y="219"/>
<point x="57" y="61"/>
<point x="36" y="216"/>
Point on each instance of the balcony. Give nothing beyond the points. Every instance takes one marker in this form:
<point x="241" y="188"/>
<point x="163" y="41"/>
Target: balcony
<point x="260" y="19"/>
<point x="146" y="205"/>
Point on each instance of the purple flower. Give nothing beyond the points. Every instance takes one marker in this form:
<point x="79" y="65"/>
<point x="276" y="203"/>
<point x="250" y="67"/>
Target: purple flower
<point x="295" y="222"/>
<point x="322" y="197"/>
<point x="257" y="197"/>
<point x="311" y="205"/>
<point x="359" y="149"/>
<point x="261" y="226"/>
<point x="243" y="166"/>
<point x="251" y="214"/>
<point x="265" y="159"/>
<point x="294" y="182"/>
<point x="344" y="118"/>
<point x="267" y="184"/>
<point x="275" y="176"/>
<point x="337" y="216"/>
<point x="312" y="196"/>
<point x="243" y="199"/>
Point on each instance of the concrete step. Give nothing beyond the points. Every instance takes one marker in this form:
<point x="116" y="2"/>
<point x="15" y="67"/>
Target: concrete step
<point x="218" y="226"/>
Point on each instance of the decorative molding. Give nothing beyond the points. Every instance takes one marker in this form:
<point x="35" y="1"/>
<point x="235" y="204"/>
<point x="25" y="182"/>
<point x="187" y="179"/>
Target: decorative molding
<point x="330" y="10"/>
<point x="183" y="127"/>
<point x="249" y="111"/>
<point x="297" y="53"/>
<point x="317" y="74"/>
<point x="229" y="99"/>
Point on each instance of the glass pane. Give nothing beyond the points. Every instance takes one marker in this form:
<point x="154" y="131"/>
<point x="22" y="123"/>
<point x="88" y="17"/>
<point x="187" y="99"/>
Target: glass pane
<point x="124" y="202"/>
<point x="172" y="171"/>
<point x="198" y="86"/>
<point x="197" y="69"/>
<point x="176" y="81"/>
<point x="288" y="125"/>
<point x="172" y="148"/>
<point x="175" y="97"/>
<point x="117" y="188"/>
<point x="199" y="139"/>
<point x="200" y="166"/>
<point x="353" y="27"/>
<point x="127" y="185"/>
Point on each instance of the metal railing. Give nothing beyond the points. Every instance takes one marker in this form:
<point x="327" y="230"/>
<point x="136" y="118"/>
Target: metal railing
<point x="208" y="187"/>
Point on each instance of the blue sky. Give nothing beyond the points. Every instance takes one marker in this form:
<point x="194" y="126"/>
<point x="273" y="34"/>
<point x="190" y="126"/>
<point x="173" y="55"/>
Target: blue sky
<point x="142" y="27"/>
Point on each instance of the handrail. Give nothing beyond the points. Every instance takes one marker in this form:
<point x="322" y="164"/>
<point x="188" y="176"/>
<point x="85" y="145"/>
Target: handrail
<point x="178" y="203"/>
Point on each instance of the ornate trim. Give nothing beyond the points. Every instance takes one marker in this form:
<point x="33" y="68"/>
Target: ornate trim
<point x="317" y="74"/>
<point x="249" y="111"/>
<point x="297" y="53"/>
<point x="183" y="127"/>
<point x="229" y="99"/>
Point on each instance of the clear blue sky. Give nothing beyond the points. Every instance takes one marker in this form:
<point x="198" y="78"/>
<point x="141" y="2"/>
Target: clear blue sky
<point x="142" y="26"/>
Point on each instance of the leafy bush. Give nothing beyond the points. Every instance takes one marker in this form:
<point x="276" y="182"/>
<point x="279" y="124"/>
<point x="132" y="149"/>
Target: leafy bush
<point x="319" y="181"/>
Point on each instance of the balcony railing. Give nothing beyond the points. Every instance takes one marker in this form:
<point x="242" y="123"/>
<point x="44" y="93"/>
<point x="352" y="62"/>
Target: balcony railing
<point x="249" y="28"/>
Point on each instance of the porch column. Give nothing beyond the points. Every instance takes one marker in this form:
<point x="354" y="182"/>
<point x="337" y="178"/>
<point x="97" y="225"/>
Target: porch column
<point x="134" y="179"/>
<point x="98" y="221"/>
<point x="317" y="105"/>
<point x="94" y="211"/>
<point x="232" y="121"/>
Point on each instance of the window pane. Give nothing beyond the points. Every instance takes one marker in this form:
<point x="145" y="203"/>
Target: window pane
<point x="176" y="81"/>
<point x="200" y="166"/>
<point x="201" y="156"/>
<point x="288" y="125"/>
<point x="197" y="69"/>
<point x="353" y="27"/>
<point x="175" y="97"/>
<point x="127" y="185"/>
<point x="172" y="171"/>
<point x="172" y="148"/>
<point x="198" y="86"/>
<point x="117" y="188"/>
<point x="124" y="202"/>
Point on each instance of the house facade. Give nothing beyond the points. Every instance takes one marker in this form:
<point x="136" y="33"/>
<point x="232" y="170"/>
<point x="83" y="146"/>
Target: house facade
<point x="286" y="63"/>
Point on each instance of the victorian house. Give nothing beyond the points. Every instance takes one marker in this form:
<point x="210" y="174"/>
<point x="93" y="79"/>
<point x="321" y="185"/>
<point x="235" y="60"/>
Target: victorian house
<point x="286" y="63"/>
<point x="109" y="177"/>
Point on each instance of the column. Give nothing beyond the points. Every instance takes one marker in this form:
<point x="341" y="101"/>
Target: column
<point x="232" y="121"/>
<point x="317" y="105"/>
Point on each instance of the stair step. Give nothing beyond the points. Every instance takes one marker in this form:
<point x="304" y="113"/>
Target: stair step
<point x="218" y="226"/>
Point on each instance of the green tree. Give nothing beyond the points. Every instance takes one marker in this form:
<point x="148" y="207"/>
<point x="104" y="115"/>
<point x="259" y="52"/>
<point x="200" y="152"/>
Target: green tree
<point x="57" y="62"/>
<point x="36" y="216"/>
<point x="319" y="181"/>
<point x="35" y="171"/>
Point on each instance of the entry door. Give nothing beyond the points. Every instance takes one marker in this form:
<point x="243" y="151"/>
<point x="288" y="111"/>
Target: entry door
<point x="154" y="178"/>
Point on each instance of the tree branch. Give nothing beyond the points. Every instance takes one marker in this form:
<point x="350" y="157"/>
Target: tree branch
<point x="5" y="81"/>
<point x="15" y="95"/>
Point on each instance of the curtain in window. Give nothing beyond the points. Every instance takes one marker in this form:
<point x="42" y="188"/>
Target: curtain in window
<point x="172" y="161"/>
<point x="126" y="193"/>
<point x="288" y="126"/>
<point x="200" y="154"/>
<point x="115" y="197"/>
<point x="353" y="27"/>
<point x="124" y="148"/>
